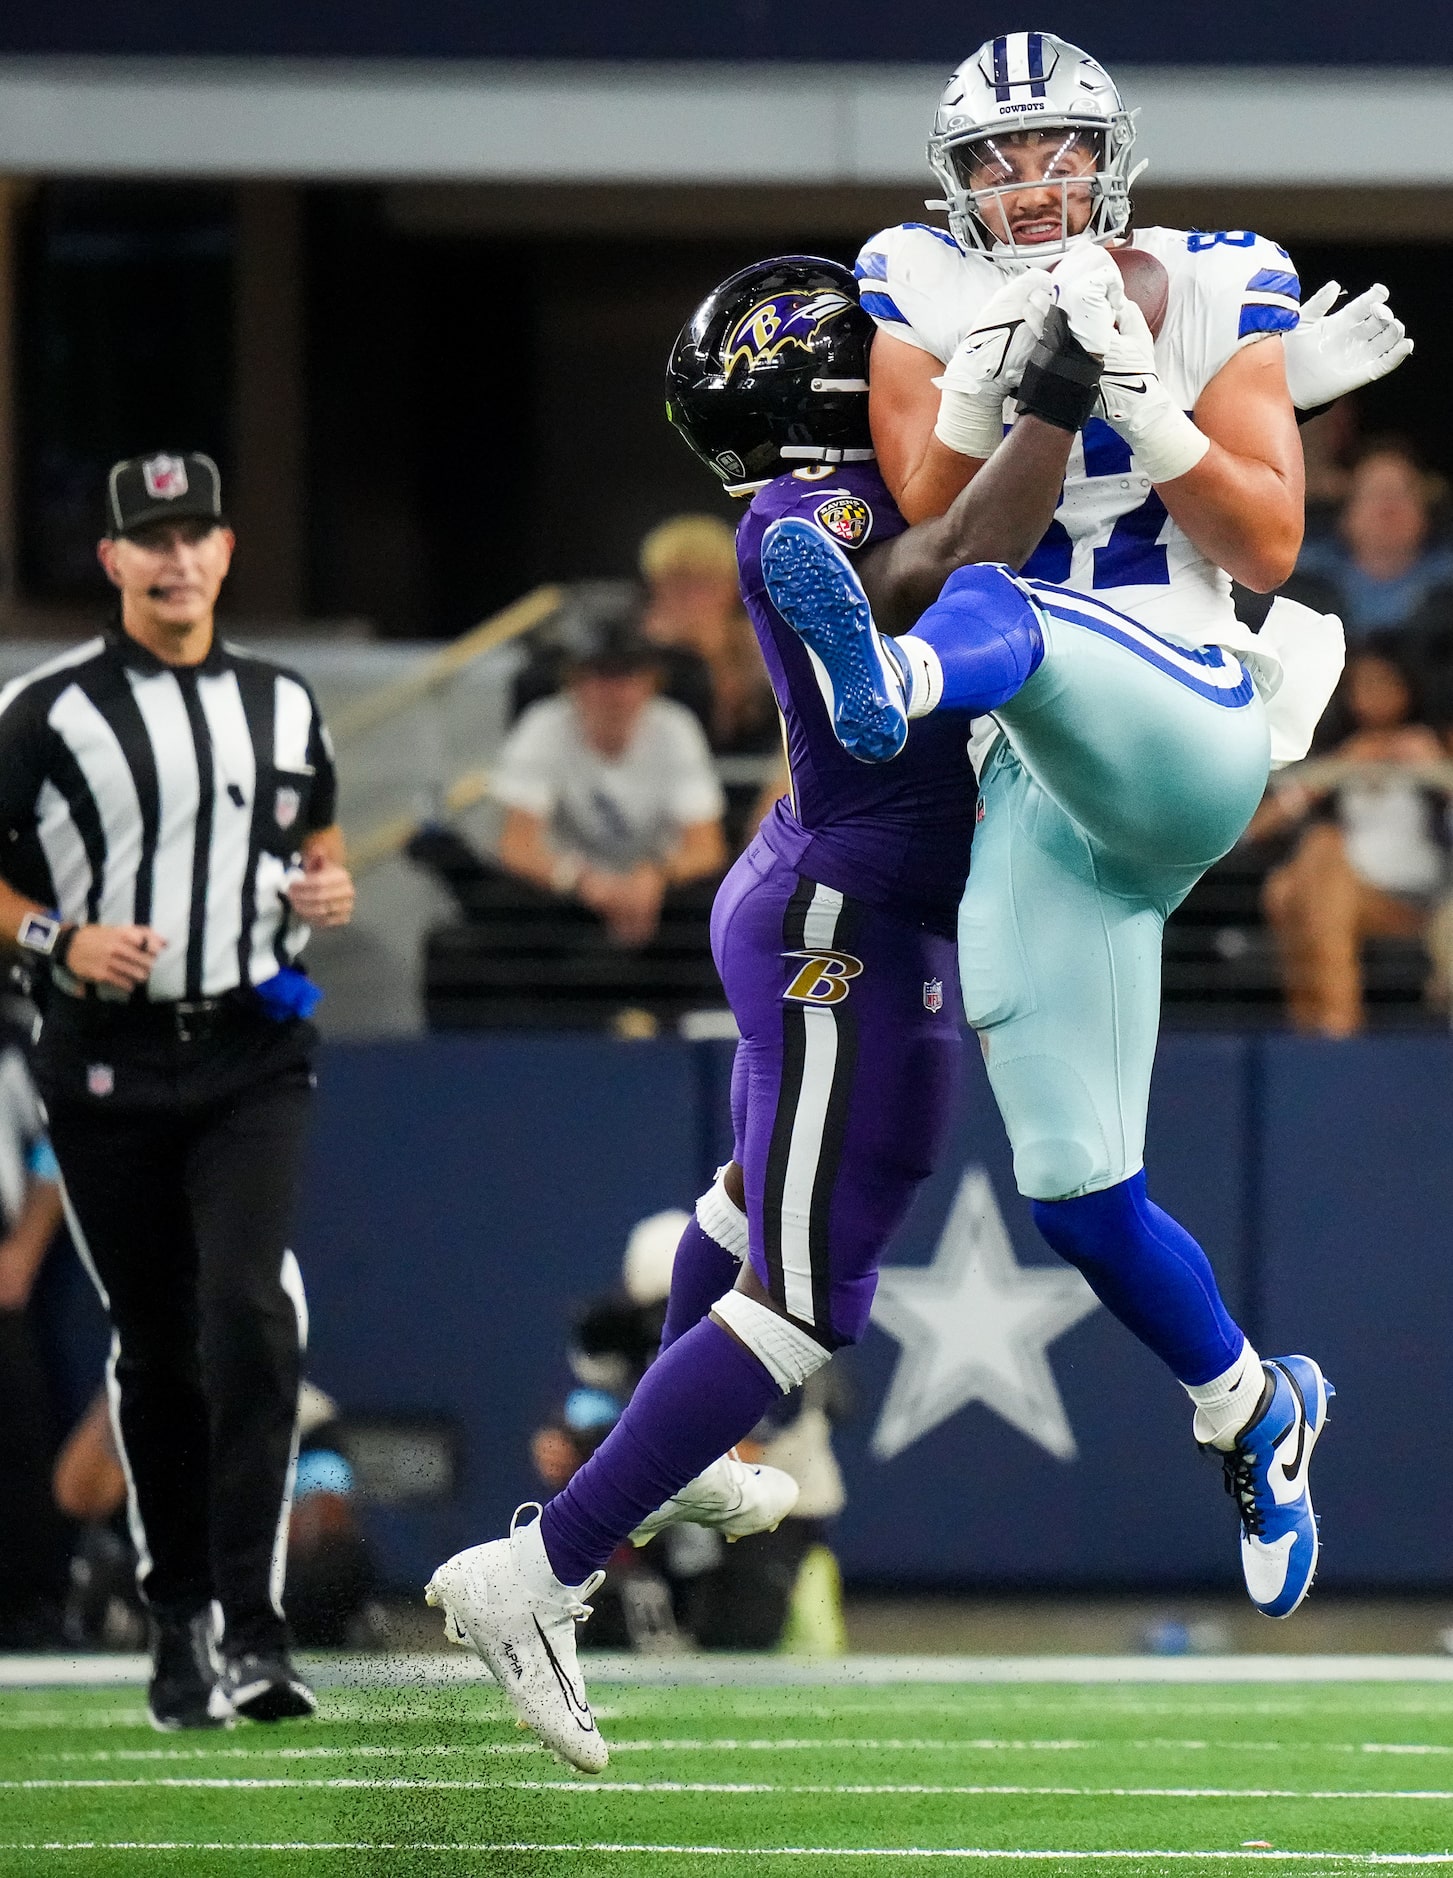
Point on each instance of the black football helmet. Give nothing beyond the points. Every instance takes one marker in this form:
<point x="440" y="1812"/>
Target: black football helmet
<point x="771" y="372"/>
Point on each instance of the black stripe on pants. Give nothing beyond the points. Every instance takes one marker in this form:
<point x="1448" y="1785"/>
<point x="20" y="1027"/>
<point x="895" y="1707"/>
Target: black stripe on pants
<point x="185" y="1218"/>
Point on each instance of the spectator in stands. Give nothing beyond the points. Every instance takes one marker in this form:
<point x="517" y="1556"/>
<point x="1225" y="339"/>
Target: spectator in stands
<point x="1383" y="564"/>
<point x="694" y="608"/>
<point x="596" y="906"/>
<point x="1372" y="856"/>
<point x="609" y="793"/>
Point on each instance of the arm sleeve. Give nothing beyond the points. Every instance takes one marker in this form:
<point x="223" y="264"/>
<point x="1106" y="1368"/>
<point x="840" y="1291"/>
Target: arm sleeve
<point x="527" y="772"/>
<point x="898" y="273"/>
<point x="323" y="796"/>
<point x="694" y="793"/>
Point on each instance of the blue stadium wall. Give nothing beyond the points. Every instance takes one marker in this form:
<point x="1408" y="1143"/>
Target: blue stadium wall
<point x="466" y="1196"/>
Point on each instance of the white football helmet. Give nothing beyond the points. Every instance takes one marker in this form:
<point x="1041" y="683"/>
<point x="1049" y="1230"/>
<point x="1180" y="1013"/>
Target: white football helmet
<point x="1018" y="85"/>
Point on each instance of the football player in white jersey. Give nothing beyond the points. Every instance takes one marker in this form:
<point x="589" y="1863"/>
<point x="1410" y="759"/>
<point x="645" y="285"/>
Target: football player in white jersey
<point x="1197" y="477"/>
<point x="1191" y="473"/>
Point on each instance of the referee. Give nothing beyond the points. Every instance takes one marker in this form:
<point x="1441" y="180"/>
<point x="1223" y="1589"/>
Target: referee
<point x="167" y="835"/>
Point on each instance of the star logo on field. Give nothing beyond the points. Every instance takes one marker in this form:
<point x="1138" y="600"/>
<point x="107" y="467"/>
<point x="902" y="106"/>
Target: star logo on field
<point x="976" y="1326"/>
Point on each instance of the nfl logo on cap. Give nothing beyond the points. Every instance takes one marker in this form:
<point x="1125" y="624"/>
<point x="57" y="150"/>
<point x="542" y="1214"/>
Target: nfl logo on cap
<point x="165" y="477"/>
<point x="100" y="1079"/>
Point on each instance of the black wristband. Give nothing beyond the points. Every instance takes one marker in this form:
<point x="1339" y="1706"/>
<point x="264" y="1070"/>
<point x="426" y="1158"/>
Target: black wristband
<point x="61" y="950"/>
<point x="1061" y="381"/>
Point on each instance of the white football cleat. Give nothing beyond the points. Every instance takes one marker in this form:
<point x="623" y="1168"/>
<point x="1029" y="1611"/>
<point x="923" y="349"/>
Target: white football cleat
<point x="732" y="1496"/>
<point x="503" y="1600"/>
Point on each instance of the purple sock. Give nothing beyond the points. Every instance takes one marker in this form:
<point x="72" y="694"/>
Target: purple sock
<point x="704" y="1271"/>
<point x="699" y="1398"/>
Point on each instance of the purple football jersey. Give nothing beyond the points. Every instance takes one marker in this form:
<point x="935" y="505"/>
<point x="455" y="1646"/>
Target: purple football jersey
<point x="896" y="835"/>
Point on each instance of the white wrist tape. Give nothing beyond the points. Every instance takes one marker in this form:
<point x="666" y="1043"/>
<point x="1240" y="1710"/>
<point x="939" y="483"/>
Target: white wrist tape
<point x="969" y="423"/>
<point x="721" y="1219"/>
<point x="1165" y="442"/>
<point x="786" y="1352"/>
<point x="925" y="674"/>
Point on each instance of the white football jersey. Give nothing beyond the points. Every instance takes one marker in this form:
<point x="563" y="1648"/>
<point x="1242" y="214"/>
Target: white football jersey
<point x="1111" y="535"/>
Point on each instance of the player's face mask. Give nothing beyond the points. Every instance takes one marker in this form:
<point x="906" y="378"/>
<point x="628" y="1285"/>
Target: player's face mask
<point x="1032" y="191"/>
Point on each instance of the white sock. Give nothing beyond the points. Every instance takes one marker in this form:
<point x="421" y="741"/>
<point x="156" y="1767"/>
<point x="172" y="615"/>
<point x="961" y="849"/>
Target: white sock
<point x="1226" y="1403"/>
<point x="924" y="685"/>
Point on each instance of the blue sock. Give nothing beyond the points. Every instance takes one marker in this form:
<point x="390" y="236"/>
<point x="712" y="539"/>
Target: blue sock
<point x="1149" y="1272"/>
<point x="987" y="636"/>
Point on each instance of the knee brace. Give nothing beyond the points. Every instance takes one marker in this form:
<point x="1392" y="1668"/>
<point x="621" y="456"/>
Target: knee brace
<point x="786" y="1351"/>
<point x="721" y="1219"/>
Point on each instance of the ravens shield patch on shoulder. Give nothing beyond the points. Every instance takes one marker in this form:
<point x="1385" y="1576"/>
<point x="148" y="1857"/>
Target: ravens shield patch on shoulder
<point x="847" y="519"/>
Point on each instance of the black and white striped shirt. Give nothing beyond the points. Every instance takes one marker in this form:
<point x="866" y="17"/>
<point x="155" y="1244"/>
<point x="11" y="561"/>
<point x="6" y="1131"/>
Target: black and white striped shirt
<point x="176" y="797"/>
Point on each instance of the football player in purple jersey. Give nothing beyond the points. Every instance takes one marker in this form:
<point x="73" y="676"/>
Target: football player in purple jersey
<point x="834" y="936"/>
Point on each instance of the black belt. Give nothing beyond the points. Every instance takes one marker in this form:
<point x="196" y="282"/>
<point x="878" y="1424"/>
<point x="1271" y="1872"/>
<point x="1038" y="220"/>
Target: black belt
<point x="189" y="1020"/>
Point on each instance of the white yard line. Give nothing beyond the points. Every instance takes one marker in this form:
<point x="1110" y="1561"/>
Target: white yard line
<point x="428" y="1668"/>
<point x="734" y="1744"/>
<point x="355" y="1783"/>
<point x="609" y="1849"/>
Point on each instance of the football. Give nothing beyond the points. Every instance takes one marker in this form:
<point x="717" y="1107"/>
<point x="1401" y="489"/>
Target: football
<point x="1146" y="283"/>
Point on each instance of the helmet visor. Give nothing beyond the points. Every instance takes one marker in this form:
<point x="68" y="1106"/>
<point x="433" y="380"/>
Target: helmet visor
<point x="1031" y="188"/>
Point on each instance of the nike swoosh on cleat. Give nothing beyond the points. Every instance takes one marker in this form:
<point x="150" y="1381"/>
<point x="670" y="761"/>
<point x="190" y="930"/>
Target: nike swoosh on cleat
<point x="577" y="1704"/>
<point x="1290" y="1469"/>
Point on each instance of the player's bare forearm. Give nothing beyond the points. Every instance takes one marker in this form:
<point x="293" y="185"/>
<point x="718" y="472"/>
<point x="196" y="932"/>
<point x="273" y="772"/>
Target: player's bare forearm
<point x="1001" y="516"/>
<point x="1243" y="514"/>
<point x="923" y="475"/>
<point x="1243" y="504"/>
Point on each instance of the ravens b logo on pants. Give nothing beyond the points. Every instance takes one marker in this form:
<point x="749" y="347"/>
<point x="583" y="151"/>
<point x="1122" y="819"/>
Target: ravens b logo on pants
<point x="824" y="978"/>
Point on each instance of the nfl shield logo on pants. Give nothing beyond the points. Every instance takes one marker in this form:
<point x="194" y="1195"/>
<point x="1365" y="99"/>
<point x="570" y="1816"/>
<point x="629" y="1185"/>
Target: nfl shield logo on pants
<point x="100" y="1079"/>
<point x="933" y="994"/>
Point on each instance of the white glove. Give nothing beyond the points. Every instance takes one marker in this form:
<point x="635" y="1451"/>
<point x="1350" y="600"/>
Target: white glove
<point x="1163" y="439"/>
<point x="1329" y="354"/>
<point x="985" y="370"/>
<point x="1087" y="288"/>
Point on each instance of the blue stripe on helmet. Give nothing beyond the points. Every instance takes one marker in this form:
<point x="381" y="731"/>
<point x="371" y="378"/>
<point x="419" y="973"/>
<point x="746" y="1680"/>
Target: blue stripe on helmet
<point x="1256" y="318"/>
<point x="1001" y="70"/>
<point x="881" y="307"/>
<point x="872" y="265"/>
<point x="1271" y="280"/>
<point x="1036" y="64"/>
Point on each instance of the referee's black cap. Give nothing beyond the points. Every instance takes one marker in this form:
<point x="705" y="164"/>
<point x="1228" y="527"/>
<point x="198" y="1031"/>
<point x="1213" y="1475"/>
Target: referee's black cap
<point x="141" y="490"/>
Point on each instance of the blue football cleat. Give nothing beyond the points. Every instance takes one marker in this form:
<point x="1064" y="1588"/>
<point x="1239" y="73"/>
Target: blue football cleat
<point x="812" y="585"/>
<point x="1266" y="1474"/>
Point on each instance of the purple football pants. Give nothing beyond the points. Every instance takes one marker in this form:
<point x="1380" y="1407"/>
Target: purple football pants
<point x="843" y="1080"/>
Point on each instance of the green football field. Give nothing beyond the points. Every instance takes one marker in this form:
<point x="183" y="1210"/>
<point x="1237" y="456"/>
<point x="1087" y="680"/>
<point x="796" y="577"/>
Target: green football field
<point x="861" y="1778"/>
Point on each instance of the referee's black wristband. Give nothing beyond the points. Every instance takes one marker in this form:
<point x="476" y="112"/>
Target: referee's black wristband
<point x="61" y="950"/>
<point x="1061" y="381"/>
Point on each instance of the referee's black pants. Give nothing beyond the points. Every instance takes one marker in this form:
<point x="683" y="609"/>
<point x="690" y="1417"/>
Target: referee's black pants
<point x="180" y="1144"/>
